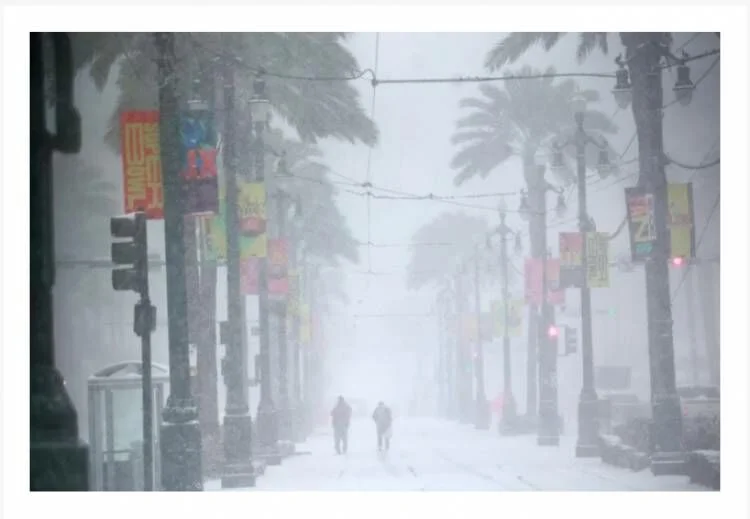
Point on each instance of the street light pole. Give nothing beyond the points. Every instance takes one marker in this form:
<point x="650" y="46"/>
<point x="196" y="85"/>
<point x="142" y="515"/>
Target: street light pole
<point x="588" y="427"/>
<point x="267" y="427"/>
<point x="59" y="460"/>
<point x="463" y="382"/>
<point x="180" y="434"/>
<point x="238" y="468"/>
<point x="509" y="419"/>
<point x="481" y="409"/>
<point x="281" y="306"/>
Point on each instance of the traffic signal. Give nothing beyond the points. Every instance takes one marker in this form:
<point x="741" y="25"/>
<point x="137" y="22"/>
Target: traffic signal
<point x="571" y="340"/>
<point x="133" y="252"/>
<point x="678" y="261"/>
<point x="553" y="331"/>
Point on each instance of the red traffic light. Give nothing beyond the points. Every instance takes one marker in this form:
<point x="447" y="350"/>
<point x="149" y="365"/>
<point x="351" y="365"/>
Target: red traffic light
<point x="678" y="261"/>
<point x="553" y="332"/>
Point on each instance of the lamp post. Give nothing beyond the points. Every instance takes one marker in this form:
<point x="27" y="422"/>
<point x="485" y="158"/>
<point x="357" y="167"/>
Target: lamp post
<point x="238" y="468"/>
<point x="543" y="358"/>
<point x="267" y="427"/>
<point x="58" y="458"/>
<point x="180" y="434"/>
<point x="481" y="406"/>
<point x="587" y="444"/>
<point x="645" y="70"/>
<point x="509" y="420"/>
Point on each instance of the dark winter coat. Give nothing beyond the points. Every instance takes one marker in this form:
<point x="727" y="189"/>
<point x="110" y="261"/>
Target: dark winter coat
<point x="341" y="415"/>
<point x="383" y="418"/>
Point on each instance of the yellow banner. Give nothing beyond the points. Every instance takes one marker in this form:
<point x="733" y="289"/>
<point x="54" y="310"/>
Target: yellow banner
<point x="251" y="200"/>
<point x="597" y="253"/>
<point x="680" y="220"/>
<point x="515" y="318"/>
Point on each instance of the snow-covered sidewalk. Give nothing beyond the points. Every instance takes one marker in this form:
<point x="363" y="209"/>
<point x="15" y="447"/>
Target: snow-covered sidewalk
<point x="436" y="455"/>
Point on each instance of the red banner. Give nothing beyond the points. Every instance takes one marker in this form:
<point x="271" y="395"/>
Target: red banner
<point x="249" y="276"/>
<point x="141" y="163"/>
<point x="533" y="281"/>
<point x="278" y="280"/>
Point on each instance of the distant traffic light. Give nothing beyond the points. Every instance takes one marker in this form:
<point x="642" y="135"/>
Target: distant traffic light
<point x="553" y="331"/>
<point x="133" y="252"/>
<point x="571" y="340"/>
<point x="678" y="261"/>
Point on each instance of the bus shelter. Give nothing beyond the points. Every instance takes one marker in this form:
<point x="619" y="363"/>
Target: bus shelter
<point x="115" y="397"/>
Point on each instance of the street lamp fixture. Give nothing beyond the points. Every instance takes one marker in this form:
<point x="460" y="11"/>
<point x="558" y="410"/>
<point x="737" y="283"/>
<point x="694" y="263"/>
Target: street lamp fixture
<point x="578" y="103"/>
<point x="623" y="91"/>
<point x="604" y="167"/>
<point x="260" y="108"/>
<point x="683" y="87"/>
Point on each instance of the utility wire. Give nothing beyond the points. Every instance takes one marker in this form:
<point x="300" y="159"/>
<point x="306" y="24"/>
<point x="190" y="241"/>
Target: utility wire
<point x="369" y="153"/>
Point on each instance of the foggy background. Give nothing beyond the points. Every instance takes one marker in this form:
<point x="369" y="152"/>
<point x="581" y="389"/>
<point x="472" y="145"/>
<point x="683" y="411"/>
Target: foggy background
<point x="375" y="350"/>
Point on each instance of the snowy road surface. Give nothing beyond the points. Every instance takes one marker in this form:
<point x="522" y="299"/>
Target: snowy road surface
<point x="433" y="455"/>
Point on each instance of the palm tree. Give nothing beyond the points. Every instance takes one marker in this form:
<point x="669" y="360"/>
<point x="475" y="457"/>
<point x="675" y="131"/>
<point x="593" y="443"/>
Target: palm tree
<point x="644" y="53"/>
<point x="518" y="122"/>
<point x="313" y="109"/>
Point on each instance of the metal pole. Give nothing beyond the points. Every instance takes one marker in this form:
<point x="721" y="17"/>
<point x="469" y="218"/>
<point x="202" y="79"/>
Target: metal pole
<point x="267" y="426"/>
<point x="283" y="409"/>
<point x="587" y="444"/>
<point x="690" y="302"/>
<point x="238" y="468"/>
<point x="481" y="416"/>
<point x="59" y="460"/>
<point x="180" y="434"/>
<point x="668" y="453"/>
<point x="148" y="392"/>
<point x="509" y="423"/>
<point x="549" y="426"/>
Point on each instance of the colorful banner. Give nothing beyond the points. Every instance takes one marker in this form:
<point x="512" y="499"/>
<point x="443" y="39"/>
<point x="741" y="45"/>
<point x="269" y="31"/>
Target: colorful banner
<point x="571" y="260"/>
<point x="278" y="281"/>
<point x="141" y="163"/>
<point x="680" y="220"/>
<point x="200" y="174"/>
<point x="597" y="259"/>
<point x="515" y="318"/>
<point x="533" y="281"/>
<point x="250" y="276"/>
<point x="640" y="213"/>
<point x="251" y="205"/>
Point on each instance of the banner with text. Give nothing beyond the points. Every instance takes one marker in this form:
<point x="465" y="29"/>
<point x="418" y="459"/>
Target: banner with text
<point x="640" y="214"/>
<point x="533" y="282"/>
<point x="141" y="163"/>
<point x="515" y="318"/>
<point x="597" y="259"/>
<point x="278" y="281"/>
<point x="571" y="260"/>
<point x="200" y="173"/>
<point x="680" y="220"/>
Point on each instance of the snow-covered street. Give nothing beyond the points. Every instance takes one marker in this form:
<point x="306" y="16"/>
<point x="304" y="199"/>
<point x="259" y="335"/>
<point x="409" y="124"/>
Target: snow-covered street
<point x="434" y="455"/>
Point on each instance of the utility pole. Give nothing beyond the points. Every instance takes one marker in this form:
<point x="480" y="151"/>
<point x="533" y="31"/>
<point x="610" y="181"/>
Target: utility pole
<point x="59" y="460"/>
<point x="509" y="417"/>
<point x="481" y="409"/>
<point x="668" y="455"/>
<point x="267" y="425"/>
<point x="549" y="422"/>
<point x="285" y="433"/>
<point x="295" y="407"/>
<point x="238" y="467"/>
<point x="588" y="425"/>
<point x="463" y="372"/>
<point x="180" y="433"/>
<point x="690" y="302"/>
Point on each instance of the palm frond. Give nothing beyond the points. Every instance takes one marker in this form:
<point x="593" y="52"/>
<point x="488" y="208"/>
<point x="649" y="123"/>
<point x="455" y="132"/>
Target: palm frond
<point x="515" y="44"/>
<point x="590" y="41"/>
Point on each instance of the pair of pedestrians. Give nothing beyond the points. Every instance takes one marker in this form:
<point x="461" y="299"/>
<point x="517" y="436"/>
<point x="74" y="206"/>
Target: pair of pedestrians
<point x="341" y="418"/>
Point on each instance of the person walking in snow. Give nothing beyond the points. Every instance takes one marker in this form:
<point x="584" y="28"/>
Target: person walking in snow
<point x="341" y="416"/>
<point x="383" y="422"/>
